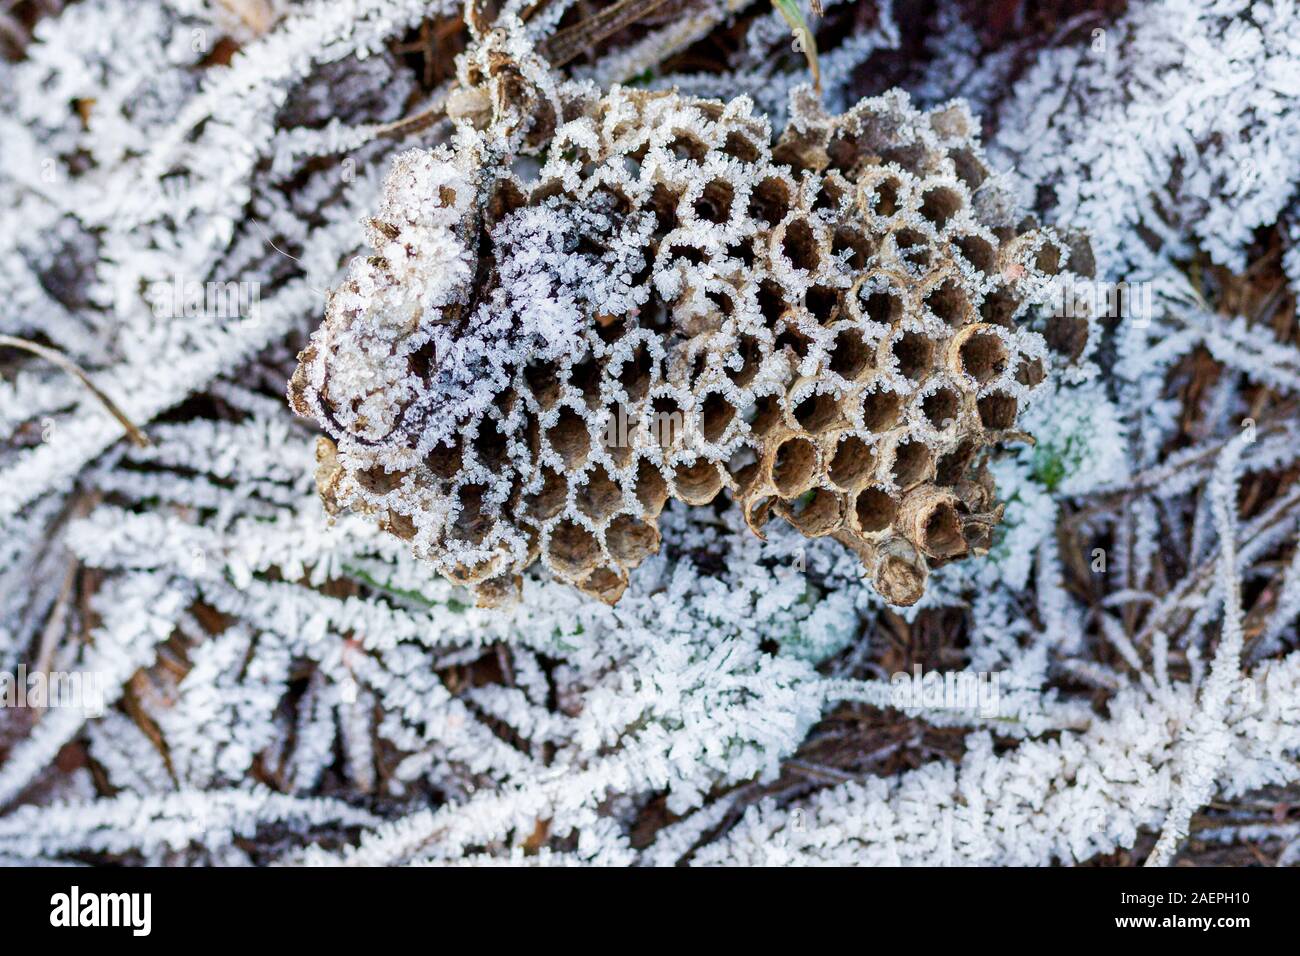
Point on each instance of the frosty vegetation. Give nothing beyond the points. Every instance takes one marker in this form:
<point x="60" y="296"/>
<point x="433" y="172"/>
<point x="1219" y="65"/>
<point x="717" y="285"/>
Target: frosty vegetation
<point x="286" y="689"/>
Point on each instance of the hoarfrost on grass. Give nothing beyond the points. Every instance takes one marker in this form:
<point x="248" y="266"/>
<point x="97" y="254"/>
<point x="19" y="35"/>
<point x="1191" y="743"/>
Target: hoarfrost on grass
<point x="285" y="690"/>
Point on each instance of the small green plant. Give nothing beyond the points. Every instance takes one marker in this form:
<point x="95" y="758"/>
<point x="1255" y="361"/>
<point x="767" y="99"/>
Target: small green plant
<point x="1049" y="465"/>
<point x="803" y="34"/>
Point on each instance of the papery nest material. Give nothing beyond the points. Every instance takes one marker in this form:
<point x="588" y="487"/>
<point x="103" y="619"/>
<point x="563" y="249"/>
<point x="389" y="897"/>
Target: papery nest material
<point x="830" y="329"/>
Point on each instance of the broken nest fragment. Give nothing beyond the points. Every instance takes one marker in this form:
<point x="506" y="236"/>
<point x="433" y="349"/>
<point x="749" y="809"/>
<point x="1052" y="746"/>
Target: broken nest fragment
<point x="830" y="329"/>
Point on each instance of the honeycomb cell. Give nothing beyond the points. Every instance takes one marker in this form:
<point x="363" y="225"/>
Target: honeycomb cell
<point x="851" y="357"/>
<point x="997" y="411"/>
<point x="981" y="354"/>
<point x="571" y="548"/>
<point x="853" y="464"/>
<point x="874" y="510"/>
<point x="815" y="513"/>
<point x="816" y="413"/>
<point x="881" y="410"/>
<point x="569" y="438"/>
<point x="794" y="466"/>
<point x="908" y="461"/>
<point x="697" y="483"/>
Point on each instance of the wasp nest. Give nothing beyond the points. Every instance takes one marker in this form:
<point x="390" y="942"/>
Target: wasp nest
<point x="671" y="306"/>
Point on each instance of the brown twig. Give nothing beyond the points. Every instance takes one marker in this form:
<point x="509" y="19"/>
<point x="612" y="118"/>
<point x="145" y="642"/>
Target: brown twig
<point x="71" y="367"/>
<point x="563" y="46"/>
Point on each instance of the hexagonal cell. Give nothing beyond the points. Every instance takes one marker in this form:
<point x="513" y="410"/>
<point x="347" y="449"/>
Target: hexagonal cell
<point x="378" y="481"/>
<point x="997" y="411"/>
<point x="930" y="520"/>
<point x="881" y="305"/>
<point x="716" y="413"/>
<point x="909" y="463"/>
<point x="571" y="548"/>
<point x="714" y="205"/>
<point x="939" y="204"/>
<point x="913" y="248"/>
<point x="953" y="466"/>
<point x="630" y="540"/>
<point x="600" y="497"/>
<point x="815" y="513"/>
<point x="664" y="421"/>
<point x="941" y="407"/>
<point x="823" y="304"/>
<point x="472" y="523"/>
<point x="769" y="201"/>
<point x="942" y="537"/>
<point x="686" y="145"/>
<point x="900" y="573"/>
<point x="697" y="483"/>
<point x="765" y="415"/>
<point x="948" y="302"/>
<point x="586" y="377"/>
<point x="970" y="170"/>
<point x="851" y="356"/>
<point x="845" y="150"/>
<point x="881" y="410"/>
<point x="569" y="438"/>
<point x="1030" y="371"/>
<point x="874" y="510"/>
<point x="799" y="245"/>
<point x="617" y="437"/>
<point x="549" y="500"/>
<point x="663" y="204"/>
<point x="1067" y="336"/>
<point x="605" y="584"/>
<point x="794" y="466"/>
<point x="999" y="308"/>
<point x="978" y="251"/>
<point x="816" y="413"/>
<point x="1048" y="257"/>
<point x="651" y="489"/>
<point x="723" y="307"/>
<point x="853" y="464"/>
<point x="850" y="242"/>
<point x="490" y="447"/>
<point x="636" y="374"/>
<point x="750" y="357"/>
<point x="396" y="523"/>
<point x="741" y="147"/>
<point x="913" y="354"/>
<point x="982" y="356"/>
<point x="444" y="461"/>
<point x="772" y="302"/>
<point x="881" y="197"/>
<point x="544" y="384"/>
<point x="793" y="338"/>
<point x="830" y="197"/>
